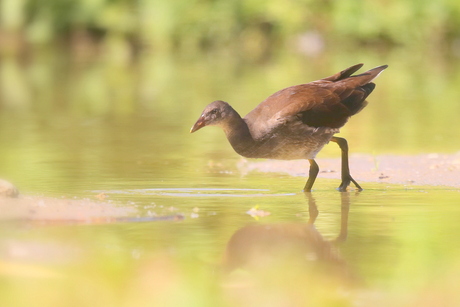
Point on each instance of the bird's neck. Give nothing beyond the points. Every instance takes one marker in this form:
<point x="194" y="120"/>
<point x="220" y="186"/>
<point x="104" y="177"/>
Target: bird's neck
<point x="238" y="134"/>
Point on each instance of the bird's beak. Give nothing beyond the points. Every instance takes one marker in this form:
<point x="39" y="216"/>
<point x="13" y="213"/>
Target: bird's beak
<point x="200" y="123"/>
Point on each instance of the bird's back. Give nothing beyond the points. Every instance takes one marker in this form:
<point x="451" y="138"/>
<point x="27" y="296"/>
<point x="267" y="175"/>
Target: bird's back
<point x="325" y="103"/>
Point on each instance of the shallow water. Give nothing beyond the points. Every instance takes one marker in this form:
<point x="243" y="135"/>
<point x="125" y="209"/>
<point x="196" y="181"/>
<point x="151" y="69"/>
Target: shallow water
<point x="394" y="244"/>
<point x="388" y="245"/>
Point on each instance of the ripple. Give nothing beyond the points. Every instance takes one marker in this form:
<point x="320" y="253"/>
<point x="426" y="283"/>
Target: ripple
<point x="196" y="192"/>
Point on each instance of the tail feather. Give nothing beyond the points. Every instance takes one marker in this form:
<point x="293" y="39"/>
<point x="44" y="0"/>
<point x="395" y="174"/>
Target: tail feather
<point x="368" y="76"/>
<point x="344" y="73"/>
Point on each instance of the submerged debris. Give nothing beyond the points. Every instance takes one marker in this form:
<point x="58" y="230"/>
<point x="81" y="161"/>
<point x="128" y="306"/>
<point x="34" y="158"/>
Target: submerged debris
<point x="101" y="196"/>
<point x="256" y="213"/>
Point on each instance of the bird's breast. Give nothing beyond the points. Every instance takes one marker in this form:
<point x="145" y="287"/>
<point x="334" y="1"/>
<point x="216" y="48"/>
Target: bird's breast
<point x="285" y="144"/>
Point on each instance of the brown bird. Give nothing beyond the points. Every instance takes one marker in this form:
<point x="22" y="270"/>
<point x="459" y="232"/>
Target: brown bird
<point x="296" y="122"/>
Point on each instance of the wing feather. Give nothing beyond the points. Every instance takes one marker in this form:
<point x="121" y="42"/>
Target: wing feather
<point x="328" y="102"/>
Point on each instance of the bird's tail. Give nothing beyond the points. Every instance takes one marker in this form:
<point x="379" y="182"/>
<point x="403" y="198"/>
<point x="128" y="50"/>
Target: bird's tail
<point x="368" y="76"/>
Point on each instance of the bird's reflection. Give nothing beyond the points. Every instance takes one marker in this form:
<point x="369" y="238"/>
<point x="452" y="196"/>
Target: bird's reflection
<point x="280" y="258"/>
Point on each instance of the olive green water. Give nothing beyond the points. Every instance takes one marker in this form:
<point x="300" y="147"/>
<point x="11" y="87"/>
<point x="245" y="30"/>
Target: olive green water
<point x="75" y="130"/>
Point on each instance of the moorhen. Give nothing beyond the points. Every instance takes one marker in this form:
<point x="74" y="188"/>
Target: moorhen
<point x="296" y="122"/>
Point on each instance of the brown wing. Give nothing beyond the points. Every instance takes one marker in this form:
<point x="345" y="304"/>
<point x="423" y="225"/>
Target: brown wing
<point x="327" y="102"/>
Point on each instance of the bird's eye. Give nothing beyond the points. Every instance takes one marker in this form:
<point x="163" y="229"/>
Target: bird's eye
<point x="214" y="111"/>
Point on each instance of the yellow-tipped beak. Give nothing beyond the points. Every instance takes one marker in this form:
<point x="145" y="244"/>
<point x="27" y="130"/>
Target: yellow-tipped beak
<point x="200" y="123"/>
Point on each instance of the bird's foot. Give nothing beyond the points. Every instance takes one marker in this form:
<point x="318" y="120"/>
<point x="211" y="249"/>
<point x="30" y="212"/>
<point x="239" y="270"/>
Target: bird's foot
<point x="346" y="182"/>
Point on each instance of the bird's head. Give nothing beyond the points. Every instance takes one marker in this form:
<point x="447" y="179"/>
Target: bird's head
<point x="214" y="114"/>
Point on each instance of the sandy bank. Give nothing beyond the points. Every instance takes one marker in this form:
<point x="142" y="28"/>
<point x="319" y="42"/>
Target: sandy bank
<point x="427" y="169"/>
<point x="35" y="208"/>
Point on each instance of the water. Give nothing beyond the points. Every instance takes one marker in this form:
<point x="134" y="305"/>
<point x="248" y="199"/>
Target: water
<point x="388" y="245"/>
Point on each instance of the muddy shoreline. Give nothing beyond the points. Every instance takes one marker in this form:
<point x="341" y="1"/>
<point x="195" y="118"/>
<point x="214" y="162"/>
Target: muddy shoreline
<point x="426" y="169"/>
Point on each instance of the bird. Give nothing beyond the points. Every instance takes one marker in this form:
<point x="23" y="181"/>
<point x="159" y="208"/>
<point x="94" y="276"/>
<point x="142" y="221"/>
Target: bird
<point x="298" y="121"/>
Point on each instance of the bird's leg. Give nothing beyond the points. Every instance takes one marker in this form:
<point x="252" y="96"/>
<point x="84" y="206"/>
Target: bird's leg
<point x="346" y="177"/>
<point x="314" y="169"/>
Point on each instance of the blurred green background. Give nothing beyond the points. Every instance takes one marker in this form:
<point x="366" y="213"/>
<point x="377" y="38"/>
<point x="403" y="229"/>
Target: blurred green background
<point x="124" y="26"/>
<point x="116" y="56"/>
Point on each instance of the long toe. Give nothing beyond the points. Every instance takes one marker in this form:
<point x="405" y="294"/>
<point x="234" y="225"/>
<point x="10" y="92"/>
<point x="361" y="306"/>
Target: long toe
<point x="346" y="182"/>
